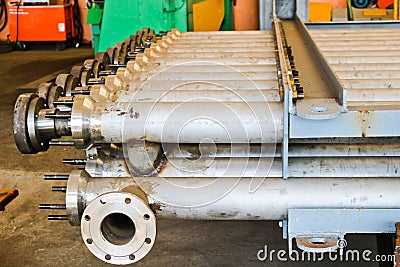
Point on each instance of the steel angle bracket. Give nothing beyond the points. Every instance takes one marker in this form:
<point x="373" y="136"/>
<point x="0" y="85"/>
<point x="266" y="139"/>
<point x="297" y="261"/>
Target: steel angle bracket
<point x="337" y="86"/>
<point x="324" y="230"/>
<point x="286" y="90"/>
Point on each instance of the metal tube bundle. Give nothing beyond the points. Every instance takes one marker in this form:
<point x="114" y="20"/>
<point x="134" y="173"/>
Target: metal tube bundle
<point x="208" y="125"/>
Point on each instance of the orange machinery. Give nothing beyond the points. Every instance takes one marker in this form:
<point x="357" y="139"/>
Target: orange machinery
<point x="41" y="23"/>
<point x="6" y="196"/>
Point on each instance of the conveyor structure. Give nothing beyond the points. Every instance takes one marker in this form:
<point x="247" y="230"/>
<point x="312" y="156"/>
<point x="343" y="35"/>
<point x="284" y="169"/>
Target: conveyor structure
<point x="252" y="125"/>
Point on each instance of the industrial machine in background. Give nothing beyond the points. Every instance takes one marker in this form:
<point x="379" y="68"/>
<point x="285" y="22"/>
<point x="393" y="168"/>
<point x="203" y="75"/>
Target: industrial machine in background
<point x="44" y="21"/>
<point x="41" y="23"/>
<point x="297" y="124"/>
<point x="162" y="16"/>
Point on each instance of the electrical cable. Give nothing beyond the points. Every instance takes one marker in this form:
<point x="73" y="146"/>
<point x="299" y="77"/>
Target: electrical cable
<point x="16" y="35"/>
<point x="5" y="46"/>
<point x="176" y="8"/>
<point x="3" y="15"/>
<point x="77" y="23"/>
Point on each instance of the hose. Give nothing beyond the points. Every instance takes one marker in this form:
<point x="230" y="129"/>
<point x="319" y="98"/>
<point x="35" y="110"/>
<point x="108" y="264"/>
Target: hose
<point x="5" y="46"/>
<point x="77" y="22"/>
<point x="3" y="15"/>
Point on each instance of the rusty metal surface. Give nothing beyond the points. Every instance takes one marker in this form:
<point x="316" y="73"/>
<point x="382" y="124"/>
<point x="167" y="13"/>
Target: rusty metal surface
<point x="397" y="246"/>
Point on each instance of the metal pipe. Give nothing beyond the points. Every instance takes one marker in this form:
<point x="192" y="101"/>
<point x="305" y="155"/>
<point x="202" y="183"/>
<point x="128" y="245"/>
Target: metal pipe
<point x="368" y="74"/>
<point x="198" y="95"/>
<point x="351" y="38"/>
<point x="263" y="40"/>
<point x="248" y="198"/>
<point x="230" y="44"/>
<point x="233" y="34"/>
<point x="239" y="84"/>
<point x="356" y="42"/>
<point x="194" y="67"/>
<point x="305" y="160"/>
<point x="370" y="84"/>
<point x="229" y="74"/>
<point x="367" y="66"/>
<point x="183" y="49"/>
<point x="177" y="122"/>
<point x="364" y="47"/>
<point x="215" y="55"/>
<point x="267" y="166"/>
<point x="227" y="60"/>
<point x="276" y="196"/>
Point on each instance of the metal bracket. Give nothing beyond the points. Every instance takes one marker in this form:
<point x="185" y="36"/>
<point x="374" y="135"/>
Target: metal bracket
<point x="337" y="85"/>
<point x="323" y="230"/>
<point x="318" y="109"/>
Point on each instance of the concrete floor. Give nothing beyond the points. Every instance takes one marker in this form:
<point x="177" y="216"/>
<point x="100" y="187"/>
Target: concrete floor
<point x="28" y="239"/>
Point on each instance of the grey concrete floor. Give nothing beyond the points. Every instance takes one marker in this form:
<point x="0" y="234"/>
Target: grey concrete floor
<point x="28" y="239"/>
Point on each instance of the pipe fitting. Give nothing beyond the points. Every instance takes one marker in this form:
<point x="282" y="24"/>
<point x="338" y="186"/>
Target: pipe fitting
<point x="118" y="228"/>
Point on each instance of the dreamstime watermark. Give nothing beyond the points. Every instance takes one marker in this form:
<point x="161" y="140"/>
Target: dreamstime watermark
<point x="348" y="255"/>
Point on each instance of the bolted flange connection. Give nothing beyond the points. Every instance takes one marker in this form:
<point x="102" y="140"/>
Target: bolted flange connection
<point x="118" y="228"/>
<point x="35" y="125"/>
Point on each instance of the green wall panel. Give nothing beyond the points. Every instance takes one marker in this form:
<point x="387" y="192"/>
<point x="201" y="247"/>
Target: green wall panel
<point x="123" y="18"/>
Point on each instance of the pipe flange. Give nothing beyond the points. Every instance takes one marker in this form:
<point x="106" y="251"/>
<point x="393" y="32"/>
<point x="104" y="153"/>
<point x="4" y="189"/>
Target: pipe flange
<point x="118" y="228"/>
<point x="97" y="68"/>
<point x="103" y="58"/>
<point x="111" y="53"/>
<point x="85" y="76"/>
<point x="89" y="63"/>
<point x="43" y="90"/>
<point x="76" y="71"/>
<point x="36" y="105"/>
<point x="55" y="92"/>
<point x="21" y="134"/>
<point x="75" y="196"/>
<point x="67" y="82"/>
<point x="26" y="111"/>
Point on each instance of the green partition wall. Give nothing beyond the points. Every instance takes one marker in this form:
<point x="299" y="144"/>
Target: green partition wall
<point x="122" y="18"/>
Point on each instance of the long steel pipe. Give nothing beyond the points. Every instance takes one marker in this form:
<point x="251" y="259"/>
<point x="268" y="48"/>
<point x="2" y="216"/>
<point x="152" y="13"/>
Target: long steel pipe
<point x="219" y="122"/>
<point x="247" y="198"/>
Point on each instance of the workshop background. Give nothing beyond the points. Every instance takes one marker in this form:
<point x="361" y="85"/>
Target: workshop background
<point x="41" y="39"/>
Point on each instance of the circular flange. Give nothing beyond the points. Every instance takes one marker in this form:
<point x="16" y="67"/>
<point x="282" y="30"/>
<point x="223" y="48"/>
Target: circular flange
<point x="103" y="58"/>
<point x="74" y="198"/>
<point x="62" y="79"/>
<point x="111" y="53"/>
<point x="36" y="141"/>
<point x="76" y="71"/>
<point x="71" y="84"/>
<point x="97" y="68"/>
<point x="21" y="135"/>
<point x="85" y="76"/>
<point x="67" y="82"/>
<point x="89" y="63"/>
<point x="55" y="92"/>
<point x="118" y="228"/>
<point x="43" y="90"/>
